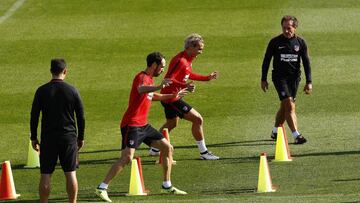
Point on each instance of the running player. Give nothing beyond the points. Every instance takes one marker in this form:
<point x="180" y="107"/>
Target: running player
<point x="135" y="128"/>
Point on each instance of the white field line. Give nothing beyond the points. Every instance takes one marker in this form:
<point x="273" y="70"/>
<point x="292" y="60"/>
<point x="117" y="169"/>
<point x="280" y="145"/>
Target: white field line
<point x="11" y="10"/>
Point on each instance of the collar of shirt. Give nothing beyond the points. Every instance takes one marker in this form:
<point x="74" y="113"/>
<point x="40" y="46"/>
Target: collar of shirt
<point x="56" y="80"/>
<point x="187" y="56"/>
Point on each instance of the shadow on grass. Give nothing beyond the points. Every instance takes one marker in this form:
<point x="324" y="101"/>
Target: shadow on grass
<point x="346" y="180"/>
<point x="27" y="201"/>
<point x="328" y="153"/>
<point x="352" y="202"/>
<point x="109" y="150"/>
<point x="225" y="144"/>
<point x="232" y="144"/>
<point x="229" y="191"/>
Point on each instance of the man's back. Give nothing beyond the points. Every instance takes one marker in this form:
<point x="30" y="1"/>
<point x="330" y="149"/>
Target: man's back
<point x="57" y="101"/>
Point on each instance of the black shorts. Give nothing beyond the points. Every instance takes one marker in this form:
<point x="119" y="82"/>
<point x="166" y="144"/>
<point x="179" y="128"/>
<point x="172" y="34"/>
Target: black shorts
<point x="287" y="87"/>
<point x="132" y="137"/>
<point x="176" y="109"/>
<point x="50" y="152"/>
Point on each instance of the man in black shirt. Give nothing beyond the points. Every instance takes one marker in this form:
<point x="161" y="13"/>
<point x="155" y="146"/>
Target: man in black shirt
<point x="58" y="102"/>
<point x="287" y="49"/>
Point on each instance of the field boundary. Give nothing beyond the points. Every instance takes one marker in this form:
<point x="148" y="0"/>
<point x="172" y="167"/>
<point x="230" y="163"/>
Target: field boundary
<point x="11" y="10"/>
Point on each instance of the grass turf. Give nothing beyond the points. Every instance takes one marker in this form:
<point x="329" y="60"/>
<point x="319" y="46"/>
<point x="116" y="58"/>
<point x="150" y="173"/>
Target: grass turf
<point x="105" y="44"/>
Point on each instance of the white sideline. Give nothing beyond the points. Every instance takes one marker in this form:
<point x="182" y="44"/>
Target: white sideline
<point x="11" y="10"/>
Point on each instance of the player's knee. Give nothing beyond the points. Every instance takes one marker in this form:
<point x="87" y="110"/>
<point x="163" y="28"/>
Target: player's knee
<point x="198" y="120"/>
<point x="168" y="149"/>
<point x="125" y="160"/>
<point x="289" y="106"/>
<point x="173" y="123"/>
<point x="45" y="187"/>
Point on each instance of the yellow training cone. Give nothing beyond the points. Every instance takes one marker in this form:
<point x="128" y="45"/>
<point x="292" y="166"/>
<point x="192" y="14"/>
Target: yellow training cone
<point x="282" y="152"/>
<point x="136" y="186"/>
<point x="33" y="158"/>
<point x="264" y="182"/>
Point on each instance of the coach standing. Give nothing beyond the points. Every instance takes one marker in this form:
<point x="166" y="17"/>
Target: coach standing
<point x="287" y="49"/>
<point x="58" y="101"/>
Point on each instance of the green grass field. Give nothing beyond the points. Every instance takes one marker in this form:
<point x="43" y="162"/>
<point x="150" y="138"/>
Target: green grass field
<point x="105" y="43"/>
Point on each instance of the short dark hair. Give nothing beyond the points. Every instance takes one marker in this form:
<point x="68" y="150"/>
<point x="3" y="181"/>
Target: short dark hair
<point x="156" y="57"/>
<point x="288" y="18"/>
<point x="57" y="66"/>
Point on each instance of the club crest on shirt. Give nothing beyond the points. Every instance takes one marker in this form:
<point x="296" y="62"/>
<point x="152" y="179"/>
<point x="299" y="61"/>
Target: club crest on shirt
<point x="186" y="77"/>
<point x="131" y="142"/>
<point x="185" y="108"/>
<point x="150" y="95"/>
<point x="296" y="48"/>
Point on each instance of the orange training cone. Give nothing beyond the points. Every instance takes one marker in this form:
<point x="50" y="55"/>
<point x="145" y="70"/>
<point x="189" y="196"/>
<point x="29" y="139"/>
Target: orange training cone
<point x="264" y="182"/>
<point x="282" y="152"/>
<point x="136" y="181"/>
<point x="7" y="186"/>
<point x="165" y="133"/>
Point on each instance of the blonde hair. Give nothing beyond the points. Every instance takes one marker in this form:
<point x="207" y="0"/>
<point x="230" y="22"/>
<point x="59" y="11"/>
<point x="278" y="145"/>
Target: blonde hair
<point x="192" y="40"/>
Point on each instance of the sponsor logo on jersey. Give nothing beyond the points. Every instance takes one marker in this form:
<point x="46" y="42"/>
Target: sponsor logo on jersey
<point x="281" y="47"/>
<point x="131" y="142"/>
<point x="289" y="57"/>
<point x="185" y="108"/>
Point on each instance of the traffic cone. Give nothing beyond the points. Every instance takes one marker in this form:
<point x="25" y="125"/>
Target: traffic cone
<point x="136" y="180"/>
<point x="7" y="186"/>
<point x="264" y="182"/>
<point x="165" y="133"/>
<point x="33" y="158"/>
<point x="282" y="152"/>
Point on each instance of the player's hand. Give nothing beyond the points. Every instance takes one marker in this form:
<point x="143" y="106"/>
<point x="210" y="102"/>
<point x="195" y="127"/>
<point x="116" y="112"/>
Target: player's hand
<point x="181" y="93"/>
<point x="214" y="75"/>
<point x="190" y="86"/>
<point x="308" y="88"/>
<point x="264" y="85"/>
<point x="35" y="145"/>
<point x="80" y="144"/>
<point x="165" y="83"/>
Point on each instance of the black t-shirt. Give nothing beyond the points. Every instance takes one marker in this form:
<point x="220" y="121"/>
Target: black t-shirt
<point x="58" y="102"/>
<point x="287" y="54"/>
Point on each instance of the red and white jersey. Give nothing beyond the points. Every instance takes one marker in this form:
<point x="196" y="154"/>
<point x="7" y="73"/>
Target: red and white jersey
<point x="180" y="70"/>
<point x="139" y="104"/>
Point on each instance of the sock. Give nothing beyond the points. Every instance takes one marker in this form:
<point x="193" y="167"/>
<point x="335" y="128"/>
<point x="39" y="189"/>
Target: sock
<point x="295" y="134"/>
<point x="275" y="130"/>
<point x="103" y="186"/>
<point x="166" y="184"/>
<point x="154" y="149"/>
<point x="201" y="145"/>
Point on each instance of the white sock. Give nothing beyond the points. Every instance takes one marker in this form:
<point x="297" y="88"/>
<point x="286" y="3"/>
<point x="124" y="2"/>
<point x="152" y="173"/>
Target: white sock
<point x="166" y="184"/>
<point x="155" y="149"/>
<point x="295" y="134"/>
<point x="104" y="186"/>
<point x="201" y="145"/>
<point x="275" y="129"/>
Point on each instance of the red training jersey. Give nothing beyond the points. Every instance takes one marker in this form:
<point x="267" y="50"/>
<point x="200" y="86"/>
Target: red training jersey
<point x="180" y="70"/>
<point x="139" y="104"/>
